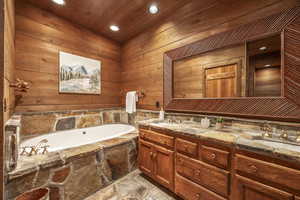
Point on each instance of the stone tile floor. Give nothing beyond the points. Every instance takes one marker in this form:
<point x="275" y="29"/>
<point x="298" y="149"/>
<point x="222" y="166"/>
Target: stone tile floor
<point x="134" y="186"/>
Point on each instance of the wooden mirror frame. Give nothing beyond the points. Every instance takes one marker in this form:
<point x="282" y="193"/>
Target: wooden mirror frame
<point x="284" y="108"/>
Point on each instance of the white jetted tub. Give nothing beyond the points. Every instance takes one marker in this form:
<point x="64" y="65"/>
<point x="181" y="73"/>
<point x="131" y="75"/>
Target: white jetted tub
<point x="77" y="137"/>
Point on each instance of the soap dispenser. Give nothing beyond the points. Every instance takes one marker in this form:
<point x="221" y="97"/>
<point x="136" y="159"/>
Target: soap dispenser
<point x="205" y="123"/>
<point x="161" y="114"/>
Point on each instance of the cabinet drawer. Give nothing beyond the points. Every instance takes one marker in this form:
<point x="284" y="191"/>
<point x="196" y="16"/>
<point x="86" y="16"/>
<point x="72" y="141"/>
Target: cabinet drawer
<point x="191" y="191"/>
<point x="186" y="147"/>
<point x="270" y="172"/>
<point x="158" y="138"/>
<point x="247" y="189"/>
<point x="208" y="176"/>
<point x="215" y="156"/>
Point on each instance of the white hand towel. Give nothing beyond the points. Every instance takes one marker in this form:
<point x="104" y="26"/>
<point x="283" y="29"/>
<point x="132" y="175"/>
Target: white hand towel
<point x="131" y="99"/>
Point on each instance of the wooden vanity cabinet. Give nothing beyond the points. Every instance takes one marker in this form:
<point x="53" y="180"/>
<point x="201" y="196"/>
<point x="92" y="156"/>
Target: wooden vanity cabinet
<point x="204" y="170"/>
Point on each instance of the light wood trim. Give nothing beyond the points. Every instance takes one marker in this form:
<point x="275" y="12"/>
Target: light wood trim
<point x="237" y="74"/>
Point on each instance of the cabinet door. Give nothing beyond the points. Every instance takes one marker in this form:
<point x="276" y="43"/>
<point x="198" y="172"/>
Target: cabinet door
<point x="247" y="189"/>
<point x="164" y="166"/>
<point x="146" y="163"/>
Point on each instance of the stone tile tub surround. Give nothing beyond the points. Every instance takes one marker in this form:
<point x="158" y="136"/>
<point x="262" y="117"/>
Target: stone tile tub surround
<point x="74" y="174"/>
<point x="37" y="123"/>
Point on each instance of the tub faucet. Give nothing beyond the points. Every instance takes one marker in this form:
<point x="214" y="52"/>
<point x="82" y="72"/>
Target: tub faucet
<point x="33" y="151"/>
<point x="36" y="148"/>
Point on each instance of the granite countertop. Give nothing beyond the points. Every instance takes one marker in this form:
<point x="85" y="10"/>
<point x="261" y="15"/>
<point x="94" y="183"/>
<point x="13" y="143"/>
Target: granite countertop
<point x="27" y="165"/>
<point x="241" y="138"/>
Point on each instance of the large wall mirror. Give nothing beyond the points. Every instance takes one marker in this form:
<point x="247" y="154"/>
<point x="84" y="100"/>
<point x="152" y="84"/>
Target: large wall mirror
<point x="252" y="71"/>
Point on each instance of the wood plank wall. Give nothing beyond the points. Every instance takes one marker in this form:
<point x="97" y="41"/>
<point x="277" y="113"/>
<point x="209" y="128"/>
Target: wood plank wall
<point x="142" y="56"/>
<point x="9" y="56"/>
<point x="40" y="36"/>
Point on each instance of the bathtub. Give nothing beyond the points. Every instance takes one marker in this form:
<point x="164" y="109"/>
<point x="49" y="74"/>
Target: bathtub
<point x="77" y="137"/>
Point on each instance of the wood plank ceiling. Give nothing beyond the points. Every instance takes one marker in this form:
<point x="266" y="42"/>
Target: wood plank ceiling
<point x="131" y="16"/>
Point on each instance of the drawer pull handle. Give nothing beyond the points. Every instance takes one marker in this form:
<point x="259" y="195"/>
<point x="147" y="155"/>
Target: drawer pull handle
<point x="198" y="196"/>
<point x="154" y="155"/>
<point x="180" y="161"/>
<point x="252" y="169"/>
<point x="212" y="156"/>
<point x="197" y="172"/>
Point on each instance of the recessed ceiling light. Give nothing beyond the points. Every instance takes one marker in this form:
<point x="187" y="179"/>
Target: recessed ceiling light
<point x="114" y="28"/>
<point x="153" y="9"/>
<point x="60" y="2"/>
<point x="263" y="48"/>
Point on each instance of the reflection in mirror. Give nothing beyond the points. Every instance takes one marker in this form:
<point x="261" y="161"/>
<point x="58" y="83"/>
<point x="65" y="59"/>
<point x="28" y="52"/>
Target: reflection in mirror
<point x="249" y="69"/>
<point x="264" y="67"/>
<point x="215" y="74"/>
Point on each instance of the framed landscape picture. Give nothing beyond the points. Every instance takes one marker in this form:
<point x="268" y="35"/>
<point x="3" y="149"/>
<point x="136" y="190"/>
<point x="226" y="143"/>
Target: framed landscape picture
<point x="79" y="74"/>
